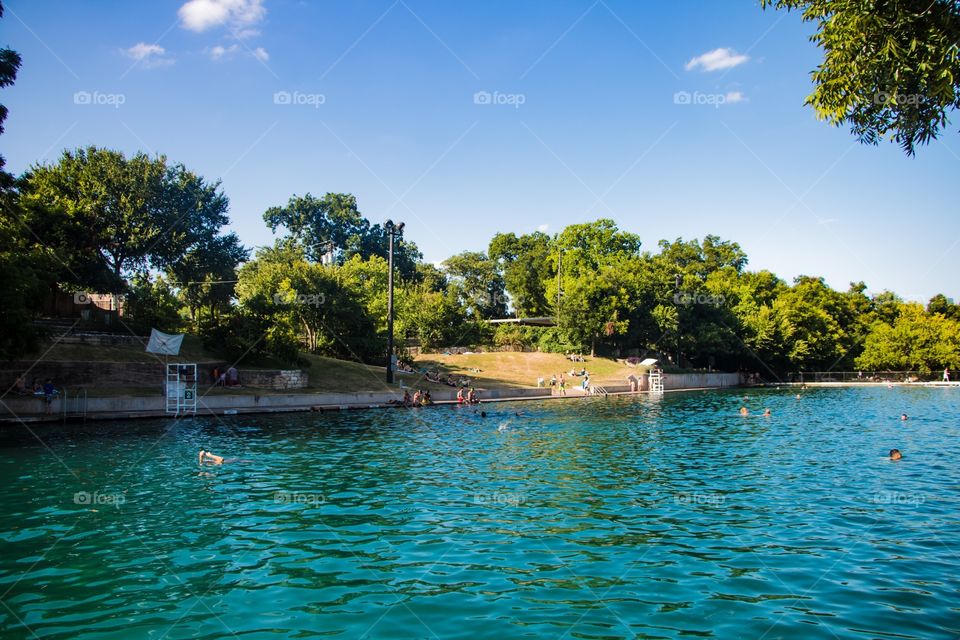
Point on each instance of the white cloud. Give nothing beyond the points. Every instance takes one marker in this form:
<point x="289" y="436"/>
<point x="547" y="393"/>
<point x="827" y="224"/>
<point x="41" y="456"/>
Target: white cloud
<point x="150" y="55"/>
<point x="716" y="60"/>
<point x="243" y="34"/>
<point x="220" y="52"/>
<point x="733" y="97"/>
<point x="200" y="15"/>
<point x="261" y="54"/>
<point x="543" y="228"/>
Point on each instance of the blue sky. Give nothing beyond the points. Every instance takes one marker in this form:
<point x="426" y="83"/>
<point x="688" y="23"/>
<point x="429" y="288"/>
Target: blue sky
<point x="468" y="118"/>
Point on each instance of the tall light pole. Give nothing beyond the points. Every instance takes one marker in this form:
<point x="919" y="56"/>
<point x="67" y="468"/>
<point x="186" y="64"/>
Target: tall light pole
<point x="392" y="231"/>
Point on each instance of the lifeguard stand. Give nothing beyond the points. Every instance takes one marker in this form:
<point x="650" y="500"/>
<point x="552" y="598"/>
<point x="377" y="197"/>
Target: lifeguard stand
<point x="180" y="385"/>
<point x="181" y="388"/>
<point x="656" y="381"/>
<point x="655" y="375"/>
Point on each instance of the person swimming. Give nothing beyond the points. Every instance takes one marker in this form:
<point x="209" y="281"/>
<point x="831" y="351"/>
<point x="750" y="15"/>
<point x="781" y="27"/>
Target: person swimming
<point x="895" y="454"/>
<point x="766" y="413"/>
<point x="743" y="411"/>
<point x="903" y="416"/>
<point x="206" y="456"/>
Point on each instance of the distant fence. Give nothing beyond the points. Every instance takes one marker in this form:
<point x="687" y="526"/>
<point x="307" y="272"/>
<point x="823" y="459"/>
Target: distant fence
<point x="868" y="376"/>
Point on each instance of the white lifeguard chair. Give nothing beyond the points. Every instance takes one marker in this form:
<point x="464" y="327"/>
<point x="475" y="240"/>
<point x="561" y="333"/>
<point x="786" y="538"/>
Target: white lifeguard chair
<point x="655" y="376"/>
<point x="181" y="388"/>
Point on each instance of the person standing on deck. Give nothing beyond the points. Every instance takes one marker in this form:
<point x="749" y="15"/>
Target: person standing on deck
<point x="946" y="375"/>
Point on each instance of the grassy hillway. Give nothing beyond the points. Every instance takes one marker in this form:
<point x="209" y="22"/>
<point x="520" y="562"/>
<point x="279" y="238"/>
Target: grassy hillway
<point x="495" y="370"/>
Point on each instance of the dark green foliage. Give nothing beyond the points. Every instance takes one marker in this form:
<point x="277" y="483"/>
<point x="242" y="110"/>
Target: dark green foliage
<point x="890" y="69"/>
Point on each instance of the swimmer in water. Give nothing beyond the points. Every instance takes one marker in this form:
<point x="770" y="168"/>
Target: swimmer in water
<point x="903" y="416"/>
<point x="206" y="456"/>
<point x="743" y="411"/>
<point x="798" y="396"/>
<point x="766" y="413"/>
<point x="895" y="454"/>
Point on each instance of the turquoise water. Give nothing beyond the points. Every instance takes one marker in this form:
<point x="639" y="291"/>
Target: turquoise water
<point x="617" y="518"/>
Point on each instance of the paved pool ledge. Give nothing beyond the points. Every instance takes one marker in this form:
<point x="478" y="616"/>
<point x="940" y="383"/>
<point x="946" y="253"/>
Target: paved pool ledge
<point x="17" y="409"/>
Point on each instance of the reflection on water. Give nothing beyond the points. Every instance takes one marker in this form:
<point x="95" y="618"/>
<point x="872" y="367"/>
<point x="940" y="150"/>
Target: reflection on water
<point x="616" y="518"/>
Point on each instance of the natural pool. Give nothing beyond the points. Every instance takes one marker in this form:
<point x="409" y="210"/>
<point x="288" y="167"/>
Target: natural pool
<point x="616" y="518"/>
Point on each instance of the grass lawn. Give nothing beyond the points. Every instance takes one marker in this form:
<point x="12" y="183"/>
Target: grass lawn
<point x="506" y="369"/>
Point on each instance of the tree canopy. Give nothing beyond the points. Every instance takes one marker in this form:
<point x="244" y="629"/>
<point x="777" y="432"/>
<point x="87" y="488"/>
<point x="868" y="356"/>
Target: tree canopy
<point x="890" y="69"/>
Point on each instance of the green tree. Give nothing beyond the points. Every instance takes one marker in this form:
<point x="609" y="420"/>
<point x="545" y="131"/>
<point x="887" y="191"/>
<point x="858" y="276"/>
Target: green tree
<point x="22" y="263"/>
<point x="152" y="304"/>
<point x="525" y="263"/>
<point x="206" y="275"/>
<point x="890" y="69"/>
<point x="476" y="282"/>
<point x="916" y="341"/>
<point x="334" y="224"/>
<point x="109" y="216"/>
<point x="305" y="301"/>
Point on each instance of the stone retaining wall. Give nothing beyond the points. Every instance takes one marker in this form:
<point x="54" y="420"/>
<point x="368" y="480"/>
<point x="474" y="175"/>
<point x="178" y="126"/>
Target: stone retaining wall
<point x="106" y="375"/>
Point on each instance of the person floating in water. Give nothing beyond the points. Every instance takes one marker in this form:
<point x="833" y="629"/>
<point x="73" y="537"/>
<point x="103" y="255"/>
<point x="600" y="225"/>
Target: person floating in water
<point x="766" y="413"/>
<point x="895" y="454"/>
<point x="206" y="456"/>
<point x="743" y="411"/>
<point x="903" y="416"/>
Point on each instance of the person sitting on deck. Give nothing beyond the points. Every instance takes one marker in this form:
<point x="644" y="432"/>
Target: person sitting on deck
<point x="472" y="397"/>
<point x="20" y="387"/>
<point x="206" y="456"/>
<point x="407" y="401"/>
<point x="460" y="398"/>
<point x="425" y="399"/>
<point x="233" y="377"/>
<point x="416" y="397"/>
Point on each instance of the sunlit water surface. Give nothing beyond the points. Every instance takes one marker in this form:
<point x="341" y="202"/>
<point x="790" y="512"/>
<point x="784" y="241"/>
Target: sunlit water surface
<point x="616" y="518"/>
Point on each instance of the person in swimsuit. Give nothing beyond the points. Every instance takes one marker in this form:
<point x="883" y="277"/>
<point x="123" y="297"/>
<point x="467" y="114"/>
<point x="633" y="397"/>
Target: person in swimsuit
<point x="206" y="456"/>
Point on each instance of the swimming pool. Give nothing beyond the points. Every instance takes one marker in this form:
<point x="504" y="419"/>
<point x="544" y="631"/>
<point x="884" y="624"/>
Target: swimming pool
<point x="616" y="518"/>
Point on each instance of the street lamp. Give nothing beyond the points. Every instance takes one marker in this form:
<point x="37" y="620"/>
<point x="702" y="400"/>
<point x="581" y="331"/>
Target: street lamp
<point x="393" y="230"/>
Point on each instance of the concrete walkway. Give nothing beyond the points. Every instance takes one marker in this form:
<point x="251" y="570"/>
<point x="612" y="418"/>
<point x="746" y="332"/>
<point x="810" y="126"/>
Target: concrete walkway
<point x="30" y="409"/>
